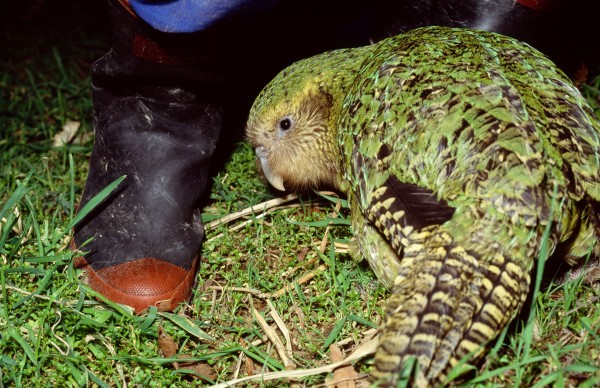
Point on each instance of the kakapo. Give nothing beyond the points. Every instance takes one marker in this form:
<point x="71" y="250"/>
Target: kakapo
<point x="458" y="151"/>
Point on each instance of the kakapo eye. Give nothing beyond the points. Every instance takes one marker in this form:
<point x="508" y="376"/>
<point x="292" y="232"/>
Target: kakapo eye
<point x="285" y="123"/>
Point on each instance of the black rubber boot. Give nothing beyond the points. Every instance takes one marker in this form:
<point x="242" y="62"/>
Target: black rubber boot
<point x="157" y="119"/>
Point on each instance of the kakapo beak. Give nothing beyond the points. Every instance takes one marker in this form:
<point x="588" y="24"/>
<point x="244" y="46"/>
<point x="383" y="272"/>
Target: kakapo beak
<point x="273" y="178"/>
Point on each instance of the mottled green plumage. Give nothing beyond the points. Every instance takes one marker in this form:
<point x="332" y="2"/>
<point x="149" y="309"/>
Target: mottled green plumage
<point x="457" y="150"/>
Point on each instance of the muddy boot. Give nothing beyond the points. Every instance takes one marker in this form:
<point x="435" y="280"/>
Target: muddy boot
<point x="157" y="120"/>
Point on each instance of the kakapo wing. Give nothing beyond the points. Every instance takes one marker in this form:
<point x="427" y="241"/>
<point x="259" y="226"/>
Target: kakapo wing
<point x="461" y="149"/>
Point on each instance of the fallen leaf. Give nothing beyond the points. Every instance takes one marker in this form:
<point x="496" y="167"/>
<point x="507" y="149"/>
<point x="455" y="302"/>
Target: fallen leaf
<point x="249" y="366"/>
<point x="204" y="369"/>
<point x="163" y="305"/>
<point x="167" y="346"/>
<point x="69" y="130"/>
<point x="344" y="376"/>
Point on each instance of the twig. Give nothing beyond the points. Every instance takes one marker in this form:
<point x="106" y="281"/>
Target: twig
<point x="592" y="301"/>
<point x="252" y="291"/>
<point x="290" y="365"/>
<point x="66" y="352"/>
<point x="303" y="279"/>
<point x="260" y="208"/>
<point x="306" y="277"/>
<point x="272" y="336"/>
<point x="367" y="335"/>
<point x="363" y="350"/>
<point x="284" y="330"/>
<point x="238" y="366"/>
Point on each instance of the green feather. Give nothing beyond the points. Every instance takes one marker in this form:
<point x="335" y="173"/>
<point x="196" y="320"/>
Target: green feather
<point x="489" y="128"/>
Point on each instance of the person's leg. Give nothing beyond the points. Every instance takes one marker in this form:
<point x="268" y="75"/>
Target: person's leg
<point x="157" y="119"/>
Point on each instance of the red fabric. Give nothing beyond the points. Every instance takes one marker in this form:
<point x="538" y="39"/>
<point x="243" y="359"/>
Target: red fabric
<point x="151" y="51"/>
<point x="538" y="4"/>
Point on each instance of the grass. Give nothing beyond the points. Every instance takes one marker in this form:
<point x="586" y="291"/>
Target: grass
<point x="251" y="295"/>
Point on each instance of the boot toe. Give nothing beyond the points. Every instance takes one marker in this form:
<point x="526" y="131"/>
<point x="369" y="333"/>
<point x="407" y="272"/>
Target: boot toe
<point x="142" y="283"/>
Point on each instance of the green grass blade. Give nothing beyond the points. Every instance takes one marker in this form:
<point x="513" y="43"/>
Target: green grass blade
<point x="101" y="196"/>
<point x="35" y="224"/>
<point x="19" y="193"/>
<point x="334" y="199"/>
<point x="71" y="188"/>
<point x="187" y="325"/>
<point x="14" y="333"/>
<point x="322" y="223"/>
<point x="541" y="261"/>
<point x="339" y="325"/>
<point x="362" y="321"/>
<point x="87" y="208"/>
<point x="149" y="320"/>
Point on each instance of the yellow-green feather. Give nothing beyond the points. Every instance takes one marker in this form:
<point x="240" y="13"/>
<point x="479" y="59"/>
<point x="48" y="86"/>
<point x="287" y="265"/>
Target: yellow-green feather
<point x="491" y="128"/>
